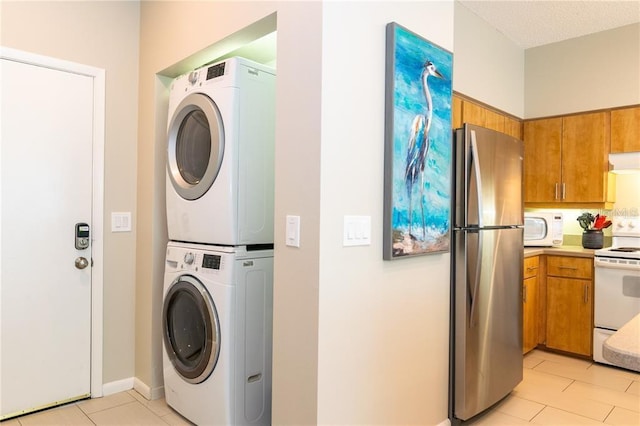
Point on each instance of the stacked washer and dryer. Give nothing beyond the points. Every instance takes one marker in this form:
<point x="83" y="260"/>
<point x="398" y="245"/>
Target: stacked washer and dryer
<point x="218" y="284"/>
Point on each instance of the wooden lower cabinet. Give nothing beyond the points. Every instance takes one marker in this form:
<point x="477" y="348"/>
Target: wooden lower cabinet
<point x="569" y="304"/>
<point x="530" y="304"/>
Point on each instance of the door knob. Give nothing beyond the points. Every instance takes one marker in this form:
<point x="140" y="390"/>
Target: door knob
<point x="81" y="262"/>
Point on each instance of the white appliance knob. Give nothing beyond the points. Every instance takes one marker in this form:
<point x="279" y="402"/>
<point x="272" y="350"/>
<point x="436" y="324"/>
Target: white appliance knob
<point x="189" y="258"/>
<point x="621" y="224"/>
<point x="193" y="77"/>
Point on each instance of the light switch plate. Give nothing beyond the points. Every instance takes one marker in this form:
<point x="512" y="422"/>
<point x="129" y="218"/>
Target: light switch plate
<point x="292" y="229"/>
<point x="357" y="231"/>
<point x="121" y="222"/>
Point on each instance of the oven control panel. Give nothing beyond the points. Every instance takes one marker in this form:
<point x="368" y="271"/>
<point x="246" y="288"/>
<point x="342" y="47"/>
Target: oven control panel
<point x="616" y="263"/>
<point x="626" y="226"/>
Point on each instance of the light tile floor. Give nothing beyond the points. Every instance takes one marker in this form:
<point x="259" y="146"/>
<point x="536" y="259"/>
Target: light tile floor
<point x="556" y="390"/>
<point x="124" y="408"/>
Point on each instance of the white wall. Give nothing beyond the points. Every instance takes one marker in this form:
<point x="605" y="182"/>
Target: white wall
<point x="596" y="71"/>
<point x="357" y="339"/>
<point x="592" y="72"/>
<point x="487" y="65"/>
<point x="628" y="191"/>
<point x="103" y="35"/>
<point x="384" y="325"/>
<point x="170" y="32"/>
<point x="336" y="359"/>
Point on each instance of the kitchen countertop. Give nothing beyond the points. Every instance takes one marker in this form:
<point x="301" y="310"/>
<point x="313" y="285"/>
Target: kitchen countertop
<point x="623" y="347"/>
<point x="576" y="251"/>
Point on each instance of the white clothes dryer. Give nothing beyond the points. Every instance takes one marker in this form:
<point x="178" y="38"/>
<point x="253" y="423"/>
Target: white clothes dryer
<point x="220" y="154"/>
<point x="217" y="333"/>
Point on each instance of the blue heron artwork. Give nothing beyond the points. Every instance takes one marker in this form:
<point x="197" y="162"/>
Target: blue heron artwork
<point x="418" y="155"/>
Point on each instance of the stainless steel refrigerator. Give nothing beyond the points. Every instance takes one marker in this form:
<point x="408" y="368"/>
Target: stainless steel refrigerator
<point x="487" y="257"/>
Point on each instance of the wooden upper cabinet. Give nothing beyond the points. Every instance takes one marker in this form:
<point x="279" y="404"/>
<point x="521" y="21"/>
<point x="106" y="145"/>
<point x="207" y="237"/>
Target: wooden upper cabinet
<point x="456" y="115"/>
<point x="585" y="157"/>
<point x="566" y="161"/>
<point x="542" y="160"/>
<point x="494" y="121"/>
<point x="625" y="130"/>
<point x="513" y="127"/>
<point x="481" y="116"/>
<point x="465" y="111"/>
<point x="473" y="113"/>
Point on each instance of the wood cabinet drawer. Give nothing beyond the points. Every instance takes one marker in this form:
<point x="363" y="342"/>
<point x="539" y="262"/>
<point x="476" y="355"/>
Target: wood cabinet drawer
<point x="570" y="267"/>
<point x="531" y="266"/>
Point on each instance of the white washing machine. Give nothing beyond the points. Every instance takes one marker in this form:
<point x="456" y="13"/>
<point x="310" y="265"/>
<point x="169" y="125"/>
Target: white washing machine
<point x="220" y="143"/>
<point x="217" y="333"/>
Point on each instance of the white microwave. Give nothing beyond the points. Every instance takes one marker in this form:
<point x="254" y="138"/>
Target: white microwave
<point x="543" y="229"/>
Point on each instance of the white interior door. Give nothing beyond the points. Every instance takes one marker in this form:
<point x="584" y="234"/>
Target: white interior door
<point x="46" y="138"/>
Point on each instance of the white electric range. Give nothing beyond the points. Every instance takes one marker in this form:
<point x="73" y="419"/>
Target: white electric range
<point x="617" y="282"/>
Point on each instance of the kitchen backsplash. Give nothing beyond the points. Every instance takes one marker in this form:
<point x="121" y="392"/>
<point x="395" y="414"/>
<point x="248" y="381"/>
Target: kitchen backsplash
<point x="627" y="204"/>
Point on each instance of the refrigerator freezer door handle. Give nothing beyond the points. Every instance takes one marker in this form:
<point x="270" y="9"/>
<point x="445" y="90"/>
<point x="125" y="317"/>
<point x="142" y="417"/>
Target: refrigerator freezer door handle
<point x="476" y="171"/>
<point x="476" y="282"/>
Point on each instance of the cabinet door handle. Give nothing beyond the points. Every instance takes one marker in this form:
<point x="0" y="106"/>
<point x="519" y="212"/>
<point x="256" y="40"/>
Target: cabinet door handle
<point x="555" y="192"/>
<point x="573" y="268"/>
<point x="524" y="294"/>
<point x="564" y="190"/>
<point x="531" y="268"/>
<point x="586" y="293"/>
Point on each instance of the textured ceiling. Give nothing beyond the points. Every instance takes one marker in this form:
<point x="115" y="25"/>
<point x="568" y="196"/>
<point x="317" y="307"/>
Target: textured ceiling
<point x="536" y="22"/>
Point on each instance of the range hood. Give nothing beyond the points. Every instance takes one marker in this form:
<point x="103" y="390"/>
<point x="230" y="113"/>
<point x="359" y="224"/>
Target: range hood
<point x="628" y="162"/>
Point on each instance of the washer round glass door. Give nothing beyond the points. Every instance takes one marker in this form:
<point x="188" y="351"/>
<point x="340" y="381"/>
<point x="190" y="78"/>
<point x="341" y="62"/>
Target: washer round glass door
<point x="195" y="146"/>
<point x="191" y="329"/>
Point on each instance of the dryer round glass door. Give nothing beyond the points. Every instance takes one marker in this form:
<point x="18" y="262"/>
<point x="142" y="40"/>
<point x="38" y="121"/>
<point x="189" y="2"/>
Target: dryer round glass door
<point x="195" y="146"/>
<point x="191" y="329"/>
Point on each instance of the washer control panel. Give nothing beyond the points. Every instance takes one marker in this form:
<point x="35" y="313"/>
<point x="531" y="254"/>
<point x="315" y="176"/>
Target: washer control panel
<point x="211" y="261"/>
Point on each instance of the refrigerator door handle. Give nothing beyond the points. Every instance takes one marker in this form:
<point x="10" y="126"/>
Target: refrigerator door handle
<point x="476" y="282"/>
<point x="476" y="171"/>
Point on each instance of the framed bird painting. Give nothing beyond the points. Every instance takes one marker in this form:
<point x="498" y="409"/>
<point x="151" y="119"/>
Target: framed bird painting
<point x="417" y="169"/>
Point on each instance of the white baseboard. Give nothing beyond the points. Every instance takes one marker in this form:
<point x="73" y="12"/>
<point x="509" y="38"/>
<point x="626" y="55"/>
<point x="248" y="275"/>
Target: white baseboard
<point x="445" y="422"/>
<point x="117" y="386"/>
<point x="146" y="391"/>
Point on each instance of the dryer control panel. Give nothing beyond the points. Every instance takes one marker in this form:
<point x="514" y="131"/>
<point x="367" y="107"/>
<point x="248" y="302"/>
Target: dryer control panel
<point x="215" y="71"/>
